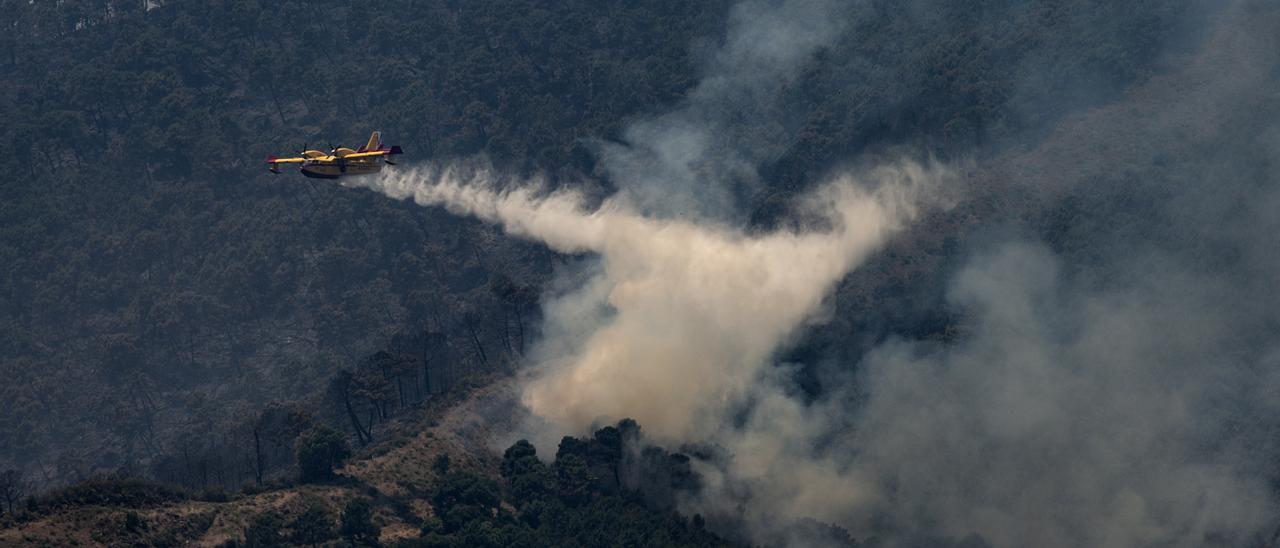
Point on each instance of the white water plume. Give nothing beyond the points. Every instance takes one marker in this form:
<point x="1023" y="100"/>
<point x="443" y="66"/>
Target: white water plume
<point x="694" y="310"/>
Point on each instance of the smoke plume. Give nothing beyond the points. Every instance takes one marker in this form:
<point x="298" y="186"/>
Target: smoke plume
<point x="700" y="158"/>
<point x="1113" y="382"/>
<point x="677" y="322"/>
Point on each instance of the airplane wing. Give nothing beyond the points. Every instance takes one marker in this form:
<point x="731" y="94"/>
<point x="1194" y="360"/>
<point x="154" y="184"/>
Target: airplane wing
<point x="380" y="152"/>
<point x="364" y="154"/>
<point x="273" y="163"/>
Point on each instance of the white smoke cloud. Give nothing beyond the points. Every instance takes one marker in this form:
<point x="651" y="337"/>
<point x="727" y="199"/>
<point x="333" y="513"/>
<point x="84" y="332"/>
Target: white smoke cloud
<point x="700" y="157"/>
<point x="680" y="318"/>
<point x="1070" y="416"/>
<point x="1071" y="413"/>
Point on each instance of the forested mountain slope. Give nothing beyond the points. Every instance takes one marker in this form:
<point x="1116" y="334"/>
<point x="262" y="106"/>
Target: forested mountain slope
<point x="432" y="483"/>
<point x="156" y="281"/>
<point x="170" y="311"/>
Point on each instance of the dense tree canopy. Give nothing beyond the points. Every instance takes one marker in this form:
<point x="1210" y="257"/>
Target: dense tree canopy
<point x="156" y="281"/>
<point x="169" y="309"/>
<point x="561" y="504"/>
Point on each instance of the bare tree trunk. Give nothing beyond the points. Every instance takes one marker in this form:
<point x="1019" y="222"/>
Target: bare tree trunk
<point x="475" y="339"/>
<point x="506" y="331"/>
<point x="361" y="435"/>
<point x="276" y="99"/>
<point x="520" y="327"/>
<point x="257" y="453"/>
<point x="426" y="362"/>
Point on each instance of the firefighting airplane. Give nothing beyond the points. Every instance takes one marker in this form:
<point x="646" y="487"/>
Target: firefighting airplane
<point x="340" y="160"/>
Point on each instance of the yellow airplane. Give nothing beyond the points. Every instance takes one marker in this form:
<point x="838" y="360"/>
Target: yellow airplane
<point x="340" y="160"/>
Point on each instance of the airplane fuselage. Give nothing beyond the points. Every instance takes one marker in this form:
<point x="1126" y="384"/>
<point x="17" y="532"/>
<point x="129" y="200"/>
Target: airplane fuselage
<point x="339" y="161"/>
<point x="325" y="169"/>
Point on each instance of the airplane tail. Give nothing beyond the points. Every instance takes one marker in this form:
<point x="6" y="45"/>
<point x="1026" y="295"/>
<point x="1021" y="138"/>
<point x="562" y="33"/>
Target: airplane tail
<point x="375" y="141"/>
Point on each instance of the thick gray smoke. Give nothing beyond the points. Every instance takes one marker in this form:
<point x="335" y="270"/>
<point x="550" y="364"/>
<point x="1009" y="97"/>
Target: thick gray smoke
<point x="1130" y="398"/>
<point x="1070" y="416"/>
<point x="1117" y="390"/>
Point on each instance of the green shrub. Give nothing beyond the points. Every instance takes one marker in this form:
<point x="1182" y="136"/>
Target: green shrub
<point x="319" y="450"/>
<point x="133" y="522"/>
<point x="264" y="531"/>
<point x="357" y="522"/>
<point x="313" y="527"/>
<point x="441" y="464"/>
<point x="111" y="491"/>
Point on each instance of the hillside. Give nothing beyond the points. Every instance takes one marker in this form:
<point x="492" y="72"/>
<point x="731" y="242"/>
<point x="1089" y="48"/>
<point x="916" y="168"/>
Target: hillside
<point x="383" y="471"/>
<point x="402" y="479"/>
<point x="185" y="289"/>
<point x="882" y="273"/>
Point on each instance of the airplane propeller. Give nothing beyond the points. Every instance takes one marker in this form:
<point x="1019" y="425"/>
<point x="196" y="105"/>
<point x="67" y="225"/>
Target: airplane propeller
<point x="342" y="162"/>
